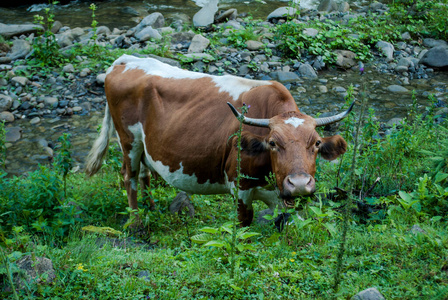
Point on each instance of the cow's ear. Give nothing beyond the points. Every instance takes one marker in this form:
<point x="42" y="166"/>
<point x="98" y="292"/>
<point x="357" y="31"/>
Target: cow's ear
<point x="332" y="147"/>
<point x="252" y="144"/>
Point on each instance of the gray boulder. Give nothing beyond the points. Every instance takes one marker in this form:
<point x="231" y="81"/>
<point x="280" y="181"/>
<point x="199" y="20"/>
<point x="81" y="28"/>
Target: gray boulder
<point x="403" y="64"/>
<point x="228" y="15"/>
<point x="435" y="57"/>
<point x="101" y="78"/>
<point x="8" y="30"/>
<point x="307" y="71"/>
<point x="155" y="20"/>
<point x="345" y="59"/>
<point x="198" y="44"/>
<point x="311" y="32"/>
<point x="369" y="294"/>
<point x="328" y="6"/>
<point x="6" y="116"/>
<point x="282" y="13"/>
<point x="387" y="49"/>
<point x="13" y="134"/>
<point x="397" y="89"/>
<point x="431" y="43"/>
<point x="254" y="45"/>
<point x="148" y="33"/>
<point x="206" y="15"/>
<point x="5" y="102"/>
<point x="38" y="271"/>
<point x="20" y="49"/>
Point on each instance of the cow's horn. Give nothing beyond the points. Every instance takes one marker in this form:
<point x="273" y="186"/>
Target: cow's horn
<point x="249" y="121"/>
<point x="333" y="119"/>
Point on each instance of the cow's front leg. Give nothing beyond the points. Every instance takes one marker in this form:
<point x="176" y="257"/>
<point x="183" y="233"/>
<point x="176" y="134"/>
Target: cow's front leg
<point x="245" y="213"/>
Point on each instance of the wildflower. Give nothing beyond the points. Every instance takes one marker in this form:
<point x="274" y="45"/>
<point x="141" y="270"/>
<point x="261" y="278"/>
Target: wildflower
<point x="292" y="260"/>
<point x="81" y="267"/>
<point x="294" y="253"/>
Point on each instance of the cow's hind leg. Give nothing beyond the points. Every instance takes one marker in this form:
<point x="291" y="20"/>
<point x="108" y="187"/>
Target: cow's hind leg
<point x="130" y="175"/>
<point x="145" y="185"/>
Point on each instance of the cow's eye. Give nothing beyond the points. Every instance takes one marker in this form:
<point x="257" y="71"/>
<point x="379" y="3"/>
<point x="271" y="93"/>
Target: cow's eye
<point x="318" y="143"/>
<point x="272" y="143"/>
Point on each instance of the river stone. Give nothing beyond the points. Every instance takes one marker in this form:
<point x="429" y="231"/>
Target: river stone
<point x="103" y="30"/>
<point x="435" y="57"/>
<point x="35" y="120"/>
<point x="322" y="89"/>
<point x="287" y="77"/>
<point x="148" y="33"/>
<point x="198" y="44"/>
<point x="387" y="49"/>
<point x="51" y="102"/>
<point x="13" y="134"/>
<point x="206" y="15"/>
<point x="345" y="59"/>
<point x="20" y="49"/>
<point x="327" y="6"/>
<point x="254" y="45"/>
<point x="431" y="43"/>
<point x="5" y="102"/>
<point x="343" y="7"/>
<point x="397" y="89"/>
<point x="311" y="32"/>
<point x="282" y="13"/>
<point x="100" y="78"/>
<point x="6" y="116"/>
<point x="69" y="68"/>
<point x="307" y="71"/>
<point x="394" y="121"/>
<point x="200" y="56"/>
<point x="181" y="37"/>
<point x="155" y="20"/>
<point x="369" y="294"/>
<point x="20" y="80"/>
<point x="37" y="270"/>
<point x="229" y="14"/>
<point x="9" y="30"/>
<point x="56" y="27"/>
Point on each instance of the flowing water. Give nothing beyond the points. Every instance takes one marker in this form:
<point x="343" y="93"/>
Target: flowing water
<point x="26" y="153"/>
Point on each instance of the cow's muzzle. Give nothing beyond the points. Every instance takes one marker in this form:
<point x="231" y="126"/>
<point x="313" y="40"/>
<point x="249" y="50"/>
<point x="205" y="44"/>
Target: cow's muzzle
<point x="298" y="185"/>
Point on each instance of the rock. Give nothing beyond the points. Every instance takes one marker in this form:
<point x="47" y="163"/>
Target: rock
<point x="35" y="120"/>
<point x="406" y="36"/>
<point x="394" y="122"/>
<point x="181" y="37"/>
<point x="435" y="57"/>
<point x="369" y="294"/>
<point x="69" y="68"/>
<point x="431" y="43"/>
<point x="397" y="89"/>
<point x="6" y="116"/>
<point x="322" y="89"/>
<point x="387" y="49"/>
<point x="311" y="32"/>
<point x="282" y="13"/>
<point x="198" y="44"/>
<point x="345" y="59"/>
<point x="20" y="49"/>
<point x="148" y="33"/>
<point x="206" y="15"/>
<point x="343" y="7"/>
<point x="13" y="134"/>
<point x="5" y="102"/>
<point x="103" y="30"/>
<point x="287" y="77"/>
<point x="100" y="78"/>
<point x="200" y="56"/>
<point x="254" y="45"/>
<point x="155" y="20"/>
<point x="51" y="102"/>
<point x="403" y="64"/>
<point x="20" y="80"/>
<point x="307" y="71"/>
<point x="181" y="202"/>
<point x="7" y="30"/>
<point x="38" y="270"/>
<point x="229" y="14"/>
<point x="56" y="27"/>
<point x="327" y="6"/>
<point x="65" y="39"/>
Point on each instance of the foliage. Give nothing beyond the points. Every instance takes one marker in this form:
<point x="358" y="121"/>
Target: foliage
<point x="2" y="144"/>
<point x="46" y="49"/>
<point x="64" y="161"/>
<point x="239" y="37"/>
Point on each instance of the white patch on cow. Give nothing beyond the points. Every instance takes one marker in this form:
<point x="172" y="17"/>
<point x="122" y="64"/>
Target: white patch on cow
<point x="136" y="151"/>
<point x="296" y="122"/>
<point x="232" y="85"/>
<point x="235" y="86"/>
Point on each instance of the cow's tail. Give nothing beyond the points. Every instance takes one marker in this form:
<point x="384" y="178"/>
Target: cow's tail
<point x="101" y="145"/>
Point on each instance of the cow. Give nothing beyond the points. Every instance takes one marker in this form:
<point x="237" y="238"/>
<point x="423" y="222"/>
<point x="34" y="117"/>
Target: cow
<point x="177" y="123"/>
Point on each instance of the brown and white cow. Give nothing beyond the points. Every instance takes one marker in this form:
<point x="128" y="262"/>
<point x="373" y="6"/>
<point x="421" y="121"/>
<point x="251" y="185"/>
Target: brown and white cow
<point x="177" y="123"/>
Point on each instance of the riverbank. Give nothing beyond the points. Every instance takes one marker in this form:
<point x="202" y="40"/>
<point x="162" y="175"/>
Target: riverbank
<point x="38" y="101"/>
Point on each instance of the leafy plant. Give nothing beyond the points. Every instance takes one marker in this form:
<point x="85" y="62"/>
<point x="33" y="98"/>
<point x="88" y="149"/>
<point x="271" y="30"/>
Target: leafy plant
<point x="63" y="159"/>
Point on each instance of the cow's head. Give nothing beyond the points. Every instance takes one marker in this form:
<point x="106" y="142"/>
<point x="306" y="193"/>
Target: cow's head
<point x="293" y="144"/>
